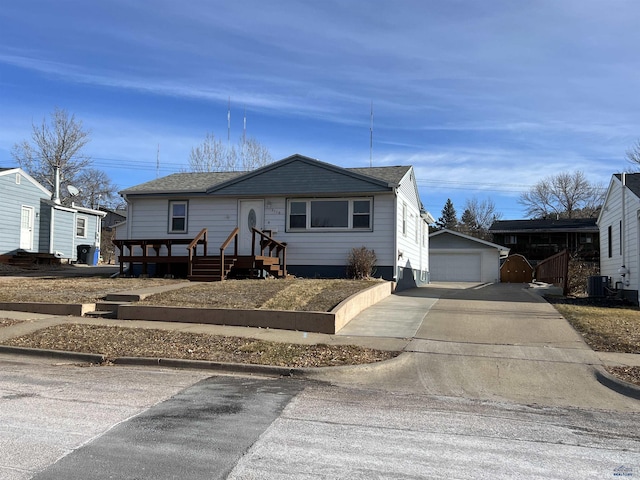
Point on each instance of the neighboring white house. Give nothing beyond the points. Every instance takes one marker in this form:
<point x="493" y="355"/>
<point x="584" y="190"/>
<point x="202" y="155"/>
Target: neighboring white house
<point x="456" y="257"/>
<point x="618" y="223"/>
<point x="30" y="222"/>
<point x="321" y="211"/>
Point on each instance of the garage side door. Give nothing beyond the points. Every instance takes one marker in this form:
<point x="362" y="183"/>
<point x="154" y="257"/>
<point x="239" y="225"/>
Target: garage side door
<point x="455" y="267"/>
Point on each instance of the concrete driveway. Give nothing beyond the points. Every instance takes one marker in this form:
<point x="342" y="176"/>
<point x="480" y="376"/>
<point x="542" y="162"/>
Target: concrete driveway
<point x="495" y="342"/>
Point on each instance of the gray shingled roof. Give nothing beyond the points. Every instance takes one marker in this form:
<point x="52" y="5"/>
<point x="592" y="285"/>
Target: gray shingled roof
<point x="387" y="174"/>
<point x="202" y="182"/>
<point x="632" y="181"/>
<point x="184" y="183"/>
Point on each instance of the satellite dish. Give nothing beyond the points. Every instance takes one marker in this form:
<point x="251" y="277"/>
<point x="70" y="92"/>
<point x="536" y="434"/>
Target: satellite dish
<point x="73" y="191"/>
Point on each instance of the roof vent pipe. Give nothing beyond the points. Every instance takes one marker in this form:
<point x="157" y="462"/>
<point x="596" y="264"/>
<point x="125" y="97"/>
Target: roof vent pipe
<point x="623" y="225"/>
<point x="56" y="184"/>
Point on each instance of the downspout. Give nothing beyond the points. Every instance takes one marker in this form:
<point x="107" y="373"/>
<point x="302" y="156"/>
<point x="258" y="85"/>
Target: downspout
<point x="129" y="216"/>
<point x="624" y="271"/>
<point x="395" y="236"/>
<point x="52" y="226"/>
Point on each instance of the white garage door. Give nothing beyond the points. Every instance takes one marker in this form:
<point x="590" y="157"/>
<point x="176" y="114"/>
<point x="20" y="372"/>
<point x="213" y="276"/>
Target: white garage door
<point x="455" y="267"/>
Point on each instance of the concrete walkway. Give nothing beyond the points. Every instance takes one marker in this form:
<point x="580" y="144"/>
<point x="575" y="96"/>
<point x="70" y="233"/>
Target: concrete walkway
<point x="495" y="342"/>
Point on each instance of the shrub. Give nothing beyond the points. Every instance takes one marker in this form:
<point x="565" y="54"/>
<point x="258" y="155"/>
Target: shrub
<point x="361" y="263"/>
<point x="579" y="273"/>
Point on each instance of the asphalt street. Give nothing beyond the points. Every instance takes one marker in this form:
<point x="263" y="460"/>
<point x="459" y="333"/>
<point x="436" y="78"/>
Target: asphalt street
<point x="61" y="421"/>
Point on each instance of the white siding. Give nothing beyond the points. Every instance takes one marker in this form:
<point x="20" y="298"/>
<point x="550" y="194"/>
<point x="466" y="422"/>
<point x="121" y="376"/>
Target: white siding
<point x="414" y="254"/>
<point x="610" y="217"/>
<point x="12" y="197"/>
<point x="148" y="218"/>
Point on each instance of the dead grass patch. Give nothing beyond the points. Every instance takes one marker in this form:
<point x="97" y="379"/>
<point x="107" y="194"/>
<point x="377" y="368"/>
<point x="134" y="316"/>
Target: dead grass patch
<point x="71" y="290"/>
<point x="7" y="322"/>
<point x="138" y="342"/>
<point x="605" y="328"/>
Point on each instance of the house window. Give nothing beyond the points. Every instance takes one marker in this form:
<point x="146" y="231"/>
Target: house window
<point x="362" y="214"/>
<point x="178" y="216"/>
<point x="609" y="241"/>
<point x="336" y="214"/>
<point x="404" y="219"/>
<point x="81" y="227"/>
<point x="18" y="178"/>
<point x="510" y="239"/>
<point x="586" y="238"/>
<point x="329" y="214"/>
<point x="298" y="215"/>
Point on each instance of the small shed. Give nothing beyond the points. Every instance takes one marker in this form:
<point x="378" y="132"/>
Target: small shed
<point x="456" y="257"/>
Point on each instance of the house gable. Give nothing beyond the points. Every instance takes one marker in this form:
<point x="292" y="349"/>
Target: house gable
<point x="299" y="175"/>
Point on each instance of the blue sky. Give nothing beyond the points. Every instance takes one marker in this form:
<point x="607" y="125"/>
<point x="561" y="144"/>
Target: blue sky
<point x="483" y="98"/>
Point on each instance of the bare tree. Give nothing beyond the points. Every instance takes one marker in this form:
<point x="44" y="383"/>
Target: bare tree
<point x="96" y="189"/>
<point x="478" y="216"/>
<point x="213" y="155"/>
<point x="253" y="154"/>
<point x="56" y="144"/>
<point x="565" y="195"/>
<point x="633" y="155"/>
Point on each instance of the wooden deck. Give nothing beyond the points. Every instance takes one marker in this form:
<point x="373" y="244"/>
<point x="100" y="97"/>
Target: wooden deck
<point x="268" y="257"/>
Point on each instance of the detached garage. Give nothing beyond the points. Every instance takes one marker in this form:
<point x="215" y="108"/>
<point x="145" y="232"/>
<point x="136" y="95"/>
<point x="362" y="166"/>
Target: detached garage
<point x="456" y="257"/>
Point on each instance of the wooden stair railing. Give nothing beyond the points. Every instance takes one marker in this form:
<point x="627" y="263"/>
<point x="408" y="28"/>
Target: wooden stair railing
<point x="270" y="245"/>
<point x="193" y="247"/>
<point x="232" y="236"/>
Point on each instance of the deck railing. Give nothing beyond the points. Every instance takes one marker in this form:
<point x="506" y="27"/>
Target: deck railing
<point x="193" y="248"/>
<point x="270" y="246"/>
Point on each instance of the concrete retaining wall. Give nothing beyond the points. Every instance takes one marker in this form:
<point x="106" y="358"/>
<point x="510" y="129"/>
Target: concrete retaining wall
<point x="317" y="322"/>
<point x="75" y="309"/>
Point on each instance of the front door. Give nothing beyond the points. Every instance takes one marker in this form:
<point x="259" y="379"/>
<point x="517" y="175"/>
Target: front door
<point x="26" y="228"/>
<point x="251" y="215"/>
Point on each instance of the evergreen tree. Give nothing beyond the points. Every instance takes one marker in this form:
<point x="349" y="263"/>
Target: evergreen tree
<point x="448" y="219"/>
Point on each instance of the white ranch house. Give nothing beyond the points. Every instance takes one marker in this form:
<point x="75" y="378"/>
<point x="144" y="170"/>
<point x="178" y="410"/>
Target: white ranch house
<point x="307" y="213"/>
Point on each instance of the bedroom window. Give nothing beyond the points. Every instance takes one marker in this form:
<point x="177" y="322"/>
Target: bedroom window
<point x="178" y="216"/>
<point x="81" y="227"/>
<point x="334" y="214"/>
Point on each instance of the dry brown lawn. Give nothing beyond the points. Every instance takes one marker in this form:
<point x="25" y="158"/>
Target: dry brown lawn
<point x="605" y="328"/>
<point x="285" y="294"/>
<point x="289" y="294"/>
<point x="70" y="290"/>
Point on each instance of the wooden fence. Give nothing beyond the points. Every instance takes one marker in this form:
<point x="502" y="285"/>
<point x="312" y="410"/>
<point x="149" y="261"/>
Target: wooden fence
<point x="555" y="270"/>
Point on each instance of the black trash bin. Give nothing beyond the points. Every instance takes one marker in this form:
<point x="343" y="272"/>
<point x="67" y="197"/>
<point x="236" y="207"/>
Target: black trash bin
<point x="83" y="253"/>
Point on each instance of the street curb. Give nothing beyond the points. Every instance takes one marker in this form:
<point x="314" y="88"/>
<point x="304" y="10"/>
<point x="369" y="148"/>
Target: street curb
<point x="161" y="362"/>
<point x="267" y="370"/>
<point x="615" y="384"/>
<point x="61" y="354"/>
<point x="207" y="365"/>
